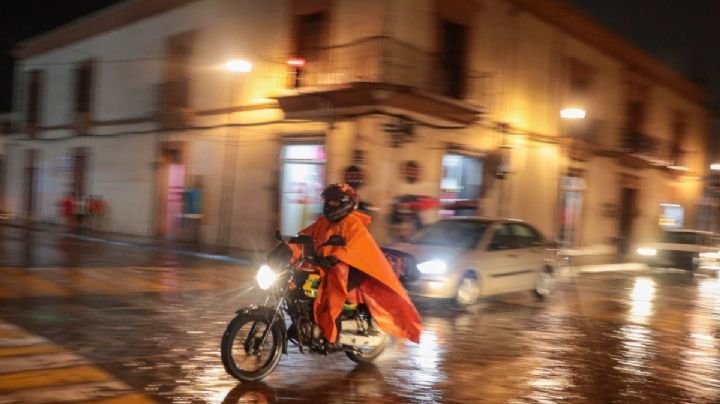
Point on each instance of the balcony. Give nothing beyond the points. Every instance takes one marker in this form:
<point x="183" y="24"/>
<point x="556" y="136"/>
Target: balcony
<point x="650" y="149"/>
<point x="381" y="71"/>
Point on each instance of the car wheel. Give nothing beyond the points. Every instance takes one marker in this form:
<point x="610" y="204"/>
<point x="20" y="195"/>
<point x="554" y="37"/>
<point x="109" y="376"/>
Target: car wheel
<point x="468" y="291"/>
<point x="545" y="283"/>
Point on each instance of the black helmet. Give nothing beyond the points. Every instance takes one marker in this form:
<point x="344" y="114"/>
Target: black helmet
<point x="340" y="200"/>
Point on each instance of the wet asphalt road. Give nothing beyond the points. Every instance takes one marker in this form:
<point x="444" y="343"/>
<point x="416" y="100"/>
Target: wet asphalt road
<point x="88" y="321"/>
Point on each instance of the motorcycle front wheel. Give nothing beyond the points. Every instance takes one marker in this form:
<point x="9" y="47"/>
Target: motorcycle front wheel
<point x="244" y="355"/>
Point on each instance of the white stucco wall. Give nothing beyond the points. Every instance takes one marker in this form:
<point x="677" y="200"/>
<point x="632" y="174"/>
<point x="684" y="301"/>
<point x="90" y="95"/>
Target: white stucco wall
<point x="525" y="56"/>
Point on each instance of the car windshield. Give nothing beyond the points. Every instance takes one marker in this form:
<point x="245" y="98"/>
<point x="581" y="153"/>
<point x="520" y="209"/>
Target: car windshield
<point x="680" y="237"/>
<point x="452" y="233"/>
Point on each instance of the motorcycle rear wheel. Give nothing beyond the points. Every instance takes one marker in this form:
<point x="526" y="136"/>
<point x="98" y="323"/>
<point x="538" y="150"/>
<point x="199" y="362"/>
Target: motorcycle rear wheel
<point x="368" y="355"/>
<point x="242" y="353"/>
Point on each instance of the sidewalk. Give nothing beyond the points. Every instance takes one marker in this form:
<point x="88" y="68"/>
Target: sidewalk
<point x="586" y="260"/>
<point x="230" y="255"/>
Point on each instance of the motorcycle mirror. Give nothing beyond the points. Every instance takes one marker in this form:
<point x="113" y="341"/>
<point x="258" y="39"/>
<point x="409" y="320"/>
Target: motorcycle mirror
<point x="336" y="240"/>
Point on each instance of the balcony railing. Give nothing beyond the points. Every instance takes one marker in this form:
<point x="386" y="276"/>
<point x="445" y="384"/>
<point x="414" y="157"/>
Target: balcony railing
<point x="382" y="59"/>
<point x="658" y="151"/>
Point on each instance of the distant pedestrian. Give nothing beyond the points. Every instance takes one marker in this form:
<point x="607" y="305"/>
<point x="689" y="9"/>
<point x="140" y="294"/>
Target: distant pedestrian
<point x="80" y="213"/>
<point x="96" y="211"/>
<point x="67" y="210"/>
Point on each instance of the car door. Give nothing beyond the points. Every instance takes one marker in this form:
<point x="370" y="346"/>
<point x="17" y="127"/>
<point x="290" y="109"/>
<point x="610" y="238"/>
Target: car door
<point x="500" y="261"/>
<point x="530" y="251"/>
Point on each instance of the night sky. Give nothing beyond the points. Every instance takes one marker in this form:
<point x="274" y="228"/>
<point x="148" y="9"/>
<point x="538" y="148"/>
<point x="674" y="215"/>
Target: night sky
<point x="684" y="34"/>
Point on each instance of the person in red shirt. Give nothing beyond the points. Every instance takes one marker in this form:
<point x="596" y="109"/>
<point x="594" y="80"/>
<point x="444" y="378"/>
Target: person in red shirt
<point x="67" y="210"/>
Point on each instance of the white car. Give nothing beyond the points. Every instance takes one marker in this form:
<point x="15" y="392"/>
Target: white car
<point x="683" y="249"/>
<point x="466" y="258"/>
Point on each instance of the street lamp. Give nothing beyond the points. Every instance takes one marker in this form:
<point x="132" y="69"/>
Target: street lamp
<point x="225" y="211"/>
<point x="566" y="228"/>
<point x="238" y="66"/>
<point x="572" y="113"/>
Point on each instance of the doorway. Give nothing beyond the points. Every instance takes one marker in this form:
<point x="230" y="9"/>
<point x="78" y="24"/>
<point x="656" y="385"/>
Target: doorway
<point x="170" y="185"/>
<point x="302" y="182"/>
<point x="628" y="209"/>
<point x="79" y="179"/>
<point x="3" y="181"/>
<point x="30" y="184"/>
<point x="571" y="210"/>
<point x="453" y="51"/>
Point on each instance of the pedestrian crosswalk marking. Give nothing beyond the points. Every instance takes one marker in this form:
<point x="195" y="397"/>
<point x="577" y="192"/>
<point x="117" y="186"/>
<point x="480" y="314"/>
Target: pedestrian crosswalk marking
<point x="51" y="377"/>
<point x="126" y="399"/>
<point x="17" y="283"/>
<point x="40" y="361"/>
<point x="71" y="393"/>
<point x="34" y="370"/>
<point x="29" y="350"/>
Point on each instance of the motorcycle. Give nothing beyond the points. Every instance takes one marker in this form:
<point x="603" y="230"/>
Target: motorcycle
<point x="254" y="341"/>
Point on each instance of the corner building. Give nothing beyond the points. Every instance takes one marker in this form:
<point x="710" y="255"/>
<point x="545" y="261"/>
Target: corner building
<point x="457" y="100"/>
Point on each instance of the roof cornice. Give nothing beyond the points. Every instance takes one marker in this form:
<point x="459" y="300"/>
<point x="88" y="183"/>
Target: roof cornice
<point x="102" y="21"/>
<point x="578" y="24"/>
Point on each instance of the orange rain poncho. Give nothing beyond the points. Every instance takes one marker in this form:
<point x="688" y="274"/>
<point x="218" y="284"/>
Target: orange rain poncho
<point x="381" y="291"/>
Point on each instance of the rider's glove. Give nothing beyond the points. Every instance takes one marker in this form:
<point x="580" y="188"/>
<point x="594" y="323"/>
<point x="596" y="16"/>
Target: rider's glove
<point x="326" y="262"/>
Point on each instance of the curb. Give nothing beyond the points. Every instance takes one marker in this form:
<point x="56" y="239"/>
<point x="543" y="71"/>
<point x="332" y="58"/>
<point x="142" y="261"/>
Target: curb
<point x="145" y="246"/>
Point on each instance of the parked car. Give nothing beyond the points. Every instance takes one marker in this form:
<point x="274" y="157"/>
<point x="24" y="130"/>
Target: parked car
<point x="684" y="249"/>
<point x="465" y="258"/>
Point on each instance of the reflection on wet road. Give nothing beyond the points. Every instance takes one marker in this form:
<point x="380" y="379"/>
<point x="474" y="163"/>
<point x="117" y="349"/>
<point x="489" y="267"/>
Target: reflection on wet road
<point x="123" y="325"/>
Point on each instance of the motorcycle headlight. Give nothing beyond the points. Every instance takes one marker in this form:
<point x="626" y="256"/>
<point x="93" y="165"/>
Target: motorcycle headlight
<point x="648" y="252"/>
<point x="432" y="267"/>
<point x="265" y="277"/>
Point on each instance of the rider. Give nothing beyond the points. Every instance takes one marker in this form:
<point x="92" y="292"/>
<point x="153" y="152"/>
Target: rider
<point x="360" y="260"/>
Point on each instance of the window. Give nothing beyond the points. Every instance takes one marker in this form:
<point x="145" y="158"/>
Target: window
<point x="502" y="239"/>
<point x="303" y="179"/>
<point x="678" y="130"/>
<point x="460" y="183"/>
<point x="311" y="35"/>
<point x="524" y="236"/>
<point x="581" y="76"/>
<point x="83" y="87"/>
<point x="635" y="114"/>
<point x="176" y="92"/>
<point x="452" y="233"/>
<point x="310" y="39"/>
<point x="34" y="98"/>
<point x="453" y="55"/>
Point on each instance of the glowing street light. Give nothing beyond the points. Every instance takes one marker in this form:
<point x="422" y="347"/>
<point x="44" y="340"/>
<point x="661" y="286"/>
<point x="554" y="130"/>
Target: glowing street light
<point x="572" y="113"/>
<point x="238" y="66"/>
<point x="296" y="62"/>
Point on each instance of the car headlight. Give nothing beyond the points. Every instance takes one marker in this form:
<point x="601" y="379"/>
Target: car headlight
<point x="432" y="267"/>
<point x="648" y="252"/>
<point x="265" y="277"/>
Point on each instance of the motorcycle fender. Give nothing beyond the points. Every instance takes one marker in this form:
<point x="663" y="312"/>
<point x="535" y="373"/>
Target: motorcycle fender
<point x="266" y="312"/>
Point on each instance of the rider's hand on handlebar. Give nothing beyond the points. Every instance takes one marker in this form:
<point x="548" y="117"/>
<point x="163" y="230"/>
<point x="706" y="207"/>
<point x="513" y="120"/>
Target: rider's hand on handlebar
<point x="326" y="262"/>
